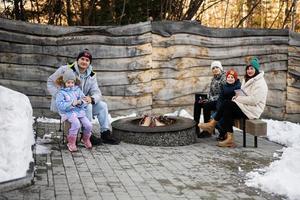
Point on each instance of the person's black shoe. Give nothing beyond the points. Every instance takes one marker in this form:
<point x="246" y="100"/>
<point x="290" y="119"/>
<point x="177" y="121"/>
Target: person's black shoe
<point x="197" y="131"/>
<point x="107" y="138"/>
<point x="204" y="134"/>
<point x="96" y="141"/>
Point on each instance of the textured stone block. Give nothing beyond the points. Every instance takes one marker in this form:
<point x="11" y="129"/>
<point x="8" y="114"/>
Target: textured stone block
<point x="181" y="132"/>
<point x="256" y="127"/>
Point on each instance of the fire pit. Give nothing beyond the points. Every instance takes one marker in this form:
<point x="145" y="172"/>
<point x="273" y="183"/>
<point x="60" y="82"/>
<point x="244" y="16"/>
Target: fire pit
<point x="178" y="131"/>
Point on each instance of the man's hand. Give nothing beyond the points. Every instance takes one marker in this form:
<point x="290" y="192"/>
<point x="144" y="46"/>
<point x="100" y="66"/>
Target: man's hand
<point x="87" y="99"/>
<point x="76" y="102"/>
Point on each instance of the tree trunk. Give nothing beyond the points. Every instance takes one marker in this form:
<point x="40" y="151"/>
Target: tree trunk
<point x="249" y="13"/>
<point x="69" y="13"/>
<point x="38" y="11"/>
<point x="288" y="14"/>
<point x="193" y="9"/>
<point x="293" y="15"/>
<point x="17" y="10"/>
<point x="279" y="11"/>
<point x="123" y="11"/>
<point x="225" y="15"/>
<point x="82" y="12"/>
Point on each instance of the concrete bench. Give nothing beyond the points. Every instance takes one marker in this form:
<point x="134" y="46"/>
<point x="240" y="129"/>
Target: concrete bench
<point x="255" y="127"/>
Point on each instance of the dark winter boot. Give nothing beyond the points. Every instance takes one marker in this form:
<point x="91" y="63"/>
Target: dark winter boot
<point x="107" y="138"/>
<point x="96" y="141"/>
<point x="204" y="134"/>
<point x="197" y="129"/>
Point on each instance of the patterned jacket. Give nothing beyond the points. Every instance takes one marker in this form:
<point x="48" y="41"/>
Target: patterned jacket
<point x="216" y="85"/>
<point x="64" y="100"/>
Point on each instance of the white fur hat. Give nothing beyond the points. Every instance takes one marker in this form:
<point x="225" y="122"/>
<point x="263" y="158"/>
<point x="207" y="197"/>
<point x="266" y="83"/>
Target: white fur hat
<point x="216" y="64"/>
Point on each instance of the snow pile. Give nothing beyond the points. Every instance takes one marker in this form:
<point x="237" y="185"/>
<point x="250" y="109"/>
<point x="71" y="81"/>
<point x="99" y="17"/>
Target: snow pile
<point x="16" y="134"/>
<point x="282" y="176"/>
<point x="121" y="117"/>
<point x="47" y="120"/>
<point x="180" y="113"/>
<point x="283" y="132"/>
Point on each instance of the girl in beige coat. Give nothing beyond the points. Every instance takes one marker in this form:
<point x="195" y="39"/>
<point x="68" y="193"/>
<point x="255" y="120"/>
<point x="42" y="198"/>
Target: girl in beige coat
<point x="248" y="103"/>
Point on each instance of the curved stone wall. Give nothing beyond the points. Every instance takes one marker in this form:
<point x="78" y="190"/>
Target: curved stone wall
<point x="150" y="67"/>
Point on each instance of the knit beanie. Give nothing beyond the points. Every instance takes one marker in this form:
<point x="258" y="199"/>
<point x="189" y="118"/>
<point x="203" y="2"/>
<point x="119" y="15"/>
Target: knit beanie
<point x="216" y="64"/>
<point x="85" y="53"/>
<point x="255" y="63"/>
<point x="233" y="73"/>
<point x="69" y="75"/>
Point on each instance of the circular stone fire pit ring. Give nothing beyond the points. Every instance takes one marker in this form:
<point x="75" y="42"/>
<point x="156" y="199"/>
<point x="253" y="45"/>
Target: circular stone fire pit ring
<point x="181" y="132"/>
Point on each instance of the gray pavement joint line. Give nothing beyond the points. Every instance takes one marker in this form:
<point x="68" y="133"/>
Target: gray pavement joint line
<point x="50" y="178"/>
<point x="62" y="151"/>
<point x="77" y="169"/>
<point x="161" y="169"/>
<point x="68" y="185"/>
<point x="66" y="155"/>
<point x="181" y="162"/>
<point x="87" y="161"/>
<point x="53" y="167"/>
<point x="126" y="171"/>
<point x="133" y="164"/>
<point x="114" y="160"/>
<point x="95" y="156"/>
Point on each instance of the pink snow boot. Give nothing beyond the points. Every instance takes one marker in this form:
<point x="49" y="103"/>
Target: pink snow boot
<point x="86" y="141"/>
<point x="72" y="143"/>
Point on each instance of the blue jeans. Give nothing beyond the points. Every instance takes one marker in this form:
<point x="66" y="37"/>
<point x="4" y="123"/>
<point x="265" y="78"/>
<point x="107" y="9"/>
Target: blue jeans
<point x="99" y="110"/>
<point x="219" y="125"/>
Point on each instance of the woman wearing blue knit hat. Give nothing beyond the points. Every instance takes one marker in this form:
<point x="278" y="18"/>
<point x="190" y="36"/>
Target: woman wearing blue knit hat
<point x="249" y="103"/>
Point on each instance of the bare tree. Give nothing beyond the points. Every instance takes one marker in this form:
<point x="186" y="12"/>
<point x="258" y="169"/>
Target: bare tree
<point x="293" y="15"/>
<point x="278" y="13"/>
<point x="19" y="10"/>
<point x="82" y="12"/>
<point x="192" y="9"/>
<point x="123" y="11"/>
<point x="290" y="14"/>
<point x="38" y="11"/>
<point x="249" y="13"/>
<point x="225" y="14"/>
<point x="69" y="13"/>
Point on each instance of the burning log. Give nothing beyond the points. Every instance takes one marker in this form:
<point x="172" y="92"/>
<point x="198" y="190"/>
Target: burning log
<point x="153" y="121"/>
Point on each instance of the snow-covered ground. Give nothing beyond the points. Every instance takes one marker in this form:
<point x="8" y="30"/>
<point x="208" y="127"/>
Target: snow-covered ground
<point x="283" y="175"/>
<point x="16" y="135"/>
